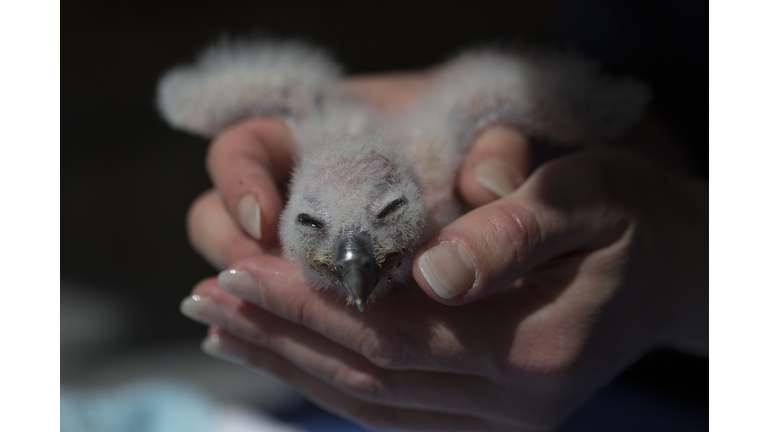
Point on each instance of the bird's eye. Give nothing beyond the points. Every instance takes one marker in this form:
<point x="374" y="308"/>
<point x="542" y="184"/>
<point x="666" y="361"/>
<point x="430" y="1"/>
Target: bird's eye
<point x="309" y="221"/>
<point x="390" y="208"/>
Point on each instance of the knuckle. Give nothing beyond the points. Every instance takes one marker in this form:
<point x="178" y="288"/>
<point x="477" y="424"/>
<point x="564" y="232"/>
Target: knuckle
<point x="216" y="150"/>
<point x="276" y="366"/>
<point x="552" y="363"/>
<point x="385" y="348"/>
<point x="193" y="228"/>
<point x="245" y="328"/>
<point x="237" y="147"/>
<point x="303" y="314"/>
<point x="196" y="215"/>
<point x="363" y="385"/>
<point x="511" y="226"/>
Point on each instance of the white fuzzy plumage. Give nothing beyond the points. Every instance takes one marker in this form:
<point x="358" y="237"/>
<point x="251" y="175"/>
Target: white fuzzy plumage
<point x="352" y="164"/>
<point x="236" y="80"/>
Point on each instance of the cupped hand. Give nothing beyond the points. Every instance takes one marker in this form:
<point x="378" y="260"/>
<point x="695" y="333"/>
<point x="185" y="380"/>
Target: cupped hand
<point x="564" y="282"/>
<point x="250" y="164"/>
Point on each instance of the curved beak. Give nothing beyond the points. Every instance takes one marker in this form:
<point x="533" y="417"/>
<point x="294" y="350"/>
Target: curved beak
<point x="353" y="257"/>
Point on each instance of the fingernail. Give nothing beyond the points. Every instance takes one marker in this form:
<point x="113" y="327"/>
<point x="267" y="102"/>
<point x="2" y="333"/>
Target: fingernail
<point x="204" y="310"/>
<point x="496" y="176"/>
<point x="448" y="269"/>
<point x="226" y="349"/>
<point x="249" y="213"/>
<point x="240" y="283"/>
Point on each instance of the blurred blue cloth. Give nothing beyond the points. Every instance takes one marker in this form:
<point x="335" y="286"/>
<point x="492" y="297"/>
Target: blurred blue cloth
<point x="147" y="406"/>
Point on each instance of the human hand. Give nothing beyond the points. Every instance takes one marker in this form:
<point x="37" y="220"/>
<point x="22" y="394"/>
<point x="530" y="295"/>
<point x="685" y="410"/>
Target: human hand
<point x="250" y="163"/>
<point x="591" y="262"/>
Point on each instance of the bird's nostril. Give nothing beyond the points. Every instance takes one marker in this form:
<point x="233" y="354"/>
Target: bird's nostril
<point x="367" y="264"/>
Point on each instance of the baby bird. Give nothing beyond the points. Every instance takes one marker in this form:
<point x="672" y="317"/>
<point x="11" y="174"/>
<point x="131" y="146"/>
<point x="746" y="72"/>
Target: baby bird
<point x="368" y="190"/>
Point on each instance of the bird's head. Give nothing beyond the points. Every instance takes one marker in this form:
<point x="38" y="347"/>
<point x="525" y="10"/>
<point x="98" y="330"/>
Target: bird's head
<point x="354" y="217"/>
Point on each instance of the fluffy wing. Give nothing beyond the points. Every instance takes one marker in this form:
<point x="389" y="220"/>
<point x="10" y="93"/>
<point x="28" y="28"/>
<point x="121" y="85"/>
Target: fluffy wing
<point x="232" y="81"/>
<point x="560" y="97"/>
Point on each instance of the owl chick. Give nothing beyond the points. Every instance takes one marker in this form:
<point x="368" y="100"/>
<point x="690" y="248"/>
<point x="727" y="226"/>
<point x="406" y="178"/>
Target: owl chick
<point x="367" y="191"/>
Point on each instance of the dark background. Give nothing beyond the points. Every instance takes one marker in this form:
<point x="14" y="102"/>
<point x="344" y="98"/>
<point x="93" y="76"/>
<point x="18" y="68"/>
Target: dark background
<point x="127" y="179"/>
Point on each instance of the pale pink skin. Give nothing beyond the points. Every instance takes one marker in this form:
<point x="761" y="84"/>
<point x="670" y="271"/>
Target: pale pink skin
<point x="607" y="252"/>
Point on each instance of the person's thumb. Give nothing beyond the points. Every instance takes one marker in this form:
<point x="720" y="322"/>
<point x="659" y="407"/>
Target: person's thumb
<point x="558" y="210"/>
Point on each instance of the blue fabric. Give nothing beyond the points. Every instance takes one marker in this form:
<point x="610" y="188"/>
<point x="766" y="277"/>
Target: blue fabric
<point x="147" y="406"/>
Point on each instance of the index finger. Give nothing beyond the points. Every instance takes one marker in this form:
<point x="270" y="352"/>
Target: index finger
<point x="248" y="163"/>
